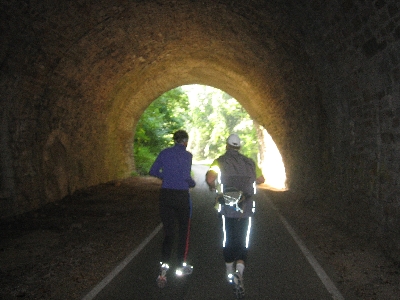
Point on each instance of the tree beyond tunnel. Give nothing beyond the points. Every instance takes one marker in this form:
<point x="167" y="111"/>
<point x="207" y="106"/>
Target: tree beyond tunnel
<point x="320" y="76"/>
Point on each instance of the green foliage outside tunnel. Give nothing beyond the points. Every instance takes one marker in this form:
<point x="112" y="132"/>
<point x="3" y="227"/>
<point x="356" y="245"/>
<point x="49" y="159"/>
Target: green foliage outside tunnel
<point x="208" y="114"/>
<point x="166" y="114"/>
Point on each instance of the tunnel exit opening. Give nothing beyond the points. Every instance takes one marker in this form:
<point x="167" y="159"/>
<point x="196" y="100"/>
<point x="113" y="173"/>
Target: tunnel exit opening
<point x="209" y="115"/>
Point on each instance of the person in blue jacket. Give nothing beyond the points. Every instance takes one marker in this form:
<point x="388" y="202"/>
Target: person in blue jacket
<point x="173" y="166"/>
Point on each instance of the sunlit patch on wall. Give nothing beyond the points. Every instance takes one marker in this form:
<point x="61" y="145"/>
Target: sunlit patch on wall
<point x="271" y="163"/>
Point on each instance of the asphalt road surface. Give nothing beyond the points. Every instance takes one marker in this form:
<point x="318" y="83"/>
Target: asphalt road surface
<point x="277" y="267"/>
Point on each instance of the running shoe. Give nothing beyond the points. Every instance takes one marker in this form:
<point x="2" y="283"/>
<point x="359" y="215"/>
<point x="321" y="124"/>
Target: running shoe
<point x="238" y="285"/>
<point x="229" y="272"/>
<point x="162" y="278"/>
<point x="229" y="277"/>
<point x="184" y="270"/>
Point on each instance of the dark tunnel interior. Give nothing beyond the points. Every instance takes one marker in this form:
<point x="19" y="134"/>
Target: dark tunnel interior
<point x="321" y="76"/>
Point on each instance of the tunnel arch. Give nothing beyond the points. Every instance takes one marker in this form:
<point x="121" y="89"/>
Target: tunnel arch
<point x="97" y="71"/>
<point x="235" y="84"/>
<point x="321" y="77"/>
<point x="118" y="69"/>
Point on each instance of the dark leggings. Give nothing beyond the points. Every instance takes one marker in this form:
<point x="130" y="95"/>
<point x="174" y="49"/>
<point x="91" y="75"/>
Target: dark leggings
<point x="236" y="230"/>
<point x="175" y="205"/>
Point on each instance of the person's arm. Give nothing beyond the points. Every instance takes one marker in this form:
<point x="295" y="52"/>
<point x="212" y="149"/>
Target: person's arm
<point x="191" y="182"/>
<point x="212" y="175"/>
<point x="156" y="168"/>
<point x="260" y="179"/>
<point x="259" y="176"/>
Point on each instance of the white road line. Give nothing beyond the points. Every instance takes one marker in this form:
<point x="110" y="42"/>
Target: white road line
<point x="93" y="293"/>
<point x="329" y="285"/>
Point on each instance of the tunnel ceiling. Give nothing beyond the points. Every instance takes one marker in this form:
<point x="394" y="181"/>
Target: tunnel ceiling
<point x="86" y="71"/>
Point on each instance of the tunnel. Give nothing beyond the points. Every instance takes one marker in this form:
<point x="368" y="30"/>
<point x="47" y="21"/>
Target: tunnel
<point x="322" y="77"/>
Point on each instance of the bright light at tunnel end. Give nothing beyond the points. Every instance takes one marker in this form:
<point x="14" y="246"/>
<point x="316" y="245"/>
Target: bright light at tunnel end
<point x="272" y="166"/>
<point x="271" y="163"/>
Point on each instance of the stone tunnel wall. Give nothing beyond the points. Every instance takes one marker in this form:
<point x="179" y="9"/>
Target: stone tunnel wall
<point x="323" y="79"/>
<point x="356" y="58"/>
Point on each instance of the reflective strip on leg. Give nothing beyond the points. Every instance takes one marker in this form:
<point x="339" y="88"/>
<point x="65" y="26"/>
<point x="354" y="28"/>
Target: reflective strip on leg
<point x="224" y="231"/>
<point x="248" y="233"/>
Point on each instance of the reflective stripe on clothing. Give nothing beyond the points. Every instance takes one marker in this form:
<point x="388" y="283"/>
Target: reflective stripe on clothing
<point x="236" y="238"/>
<point x="234" y="170"/>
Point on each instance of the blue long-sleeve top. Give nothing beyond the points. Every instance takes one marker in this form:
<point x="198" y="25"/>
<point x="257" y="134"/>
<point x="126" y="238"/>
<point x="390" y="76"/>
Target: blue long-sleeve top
<point x="173" y="166"/>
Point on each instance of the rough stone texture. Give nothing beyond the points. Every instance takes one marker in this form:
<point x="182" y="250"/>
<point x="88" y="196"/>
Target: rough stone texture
<point x="321" y="76"/>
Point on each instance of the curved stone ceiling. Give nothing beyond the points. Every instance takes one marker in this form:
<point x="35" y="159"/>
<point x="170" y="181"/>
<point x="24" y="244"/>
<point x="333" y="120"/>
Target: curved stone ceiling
<point x="92" y="69"/>
<point x="321" y="76"/>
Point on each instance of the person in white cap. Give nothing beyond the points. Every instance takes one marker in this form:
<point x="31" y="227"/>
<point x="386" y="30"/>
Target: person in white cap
<point x="234" y="177"/>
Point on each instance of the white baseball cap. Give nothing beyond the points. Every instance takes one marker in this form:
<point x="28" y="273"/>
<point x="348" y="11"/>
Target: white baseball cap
<point x="233" y="140"/>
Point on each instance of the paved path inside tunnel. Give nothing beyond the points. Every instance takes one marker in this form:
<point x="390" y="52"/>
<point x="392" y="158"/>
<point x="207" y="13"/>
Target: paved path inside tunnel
<point x="278" y="267"/>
